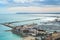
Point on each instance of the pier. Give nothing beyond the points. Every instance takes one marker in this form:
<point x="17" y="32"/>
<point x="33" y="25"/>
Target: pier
<point x="32" y="31"/>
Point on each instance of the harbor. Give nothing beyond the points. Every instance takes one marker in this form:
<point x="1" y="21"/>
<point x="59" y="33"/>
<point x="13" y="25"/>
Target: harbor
<point x="29" y="19"/>
<point x="34" y="31"/>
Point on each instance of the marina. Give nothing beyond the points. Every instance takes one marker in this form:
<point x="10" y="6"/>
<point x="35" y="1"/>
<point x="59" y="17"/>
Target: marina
<point x="33" y="31"/>
<point x="29" y="19"/>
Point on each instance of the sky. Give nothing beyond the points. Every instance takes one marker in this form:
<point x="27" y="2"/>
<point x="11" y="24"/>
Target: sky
<point x="33" y="6"/>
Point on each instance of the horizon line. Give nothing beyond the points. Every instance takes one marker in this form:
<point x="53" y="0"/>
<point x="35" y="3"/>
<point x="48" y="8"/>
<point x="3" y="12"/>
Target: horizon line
<point x="37" y="13"/>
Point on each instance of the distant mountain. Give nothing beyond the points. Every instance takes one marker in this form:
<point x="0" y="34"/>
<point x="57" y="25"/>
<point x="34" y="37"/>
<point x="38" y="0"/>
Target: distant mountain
<point x="37" y="13"/>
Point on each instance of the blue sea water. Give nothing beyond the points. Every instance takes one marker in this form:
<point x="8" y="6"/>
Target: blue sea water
<point x="9" y="18"/>
<point x="16" y="17"/>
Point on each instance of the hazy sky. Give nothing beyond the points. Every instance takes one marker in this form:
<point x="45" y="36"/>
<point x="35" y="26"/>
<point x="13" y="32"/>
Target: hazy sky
<point x="37" y="6"/>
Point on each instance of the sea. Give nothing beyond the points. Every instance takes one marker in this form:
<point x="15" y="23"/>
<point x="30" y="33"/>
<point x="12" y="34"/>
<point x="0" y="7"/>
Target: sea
<point x="8" y="35"/>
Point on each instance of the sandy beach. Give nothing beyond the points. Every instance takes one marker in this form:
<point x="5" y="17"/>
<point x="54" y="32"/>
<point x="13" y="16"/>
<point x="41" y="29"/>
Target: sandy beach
<point x="29" y="38"/>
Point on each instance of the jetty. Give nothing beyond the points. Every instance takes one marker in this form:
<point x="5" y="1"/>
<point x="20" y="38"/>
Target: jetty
<point x="32" y="31"/>
<point x="10" y="24"/>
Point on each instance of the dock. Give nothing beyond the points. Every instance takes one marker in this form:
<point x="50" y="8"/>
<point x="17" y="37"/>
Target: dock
<point x="32" y="31"/>
<point x="9" y="25"/>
